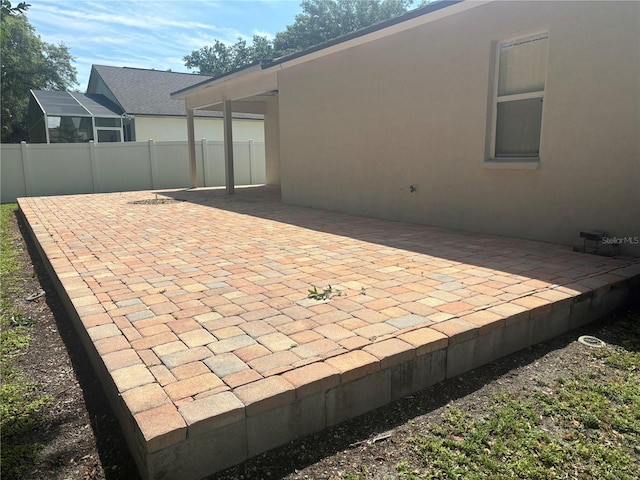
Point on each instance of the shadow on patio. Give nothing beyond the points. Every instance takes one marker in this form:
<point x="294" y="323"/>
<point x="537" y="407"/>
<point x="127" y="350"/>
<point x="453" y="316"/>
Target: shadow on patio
<point x="524" y="259"/>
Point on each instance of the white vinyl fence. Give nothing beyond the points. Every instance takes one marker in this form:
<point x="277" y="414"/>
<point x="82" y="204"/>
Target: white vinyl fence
<point x="29" y="170"/>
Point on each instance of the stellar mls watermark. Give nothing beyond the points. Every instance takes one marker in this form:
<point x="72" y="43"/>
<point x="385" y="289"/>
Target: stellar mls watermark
<point x="620" y="240"/>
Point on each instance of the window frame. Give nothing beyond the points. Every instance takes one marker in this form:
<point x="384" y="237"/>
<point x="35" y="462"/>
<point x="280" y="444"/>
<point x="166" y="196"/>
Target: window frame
<point x="109" y="129"/>
<point x="497" y="99"/>
<point x="97" y="129"/>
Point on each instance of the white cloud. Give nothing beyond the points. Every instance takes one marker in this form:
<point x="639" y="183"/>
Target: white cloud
<point x="152" y="33"/>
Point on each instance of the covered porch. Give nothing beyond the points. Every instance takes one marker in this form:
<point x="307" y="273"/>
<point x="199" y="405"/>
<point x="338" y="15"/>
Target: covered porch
<point x="256" y="88"/>
<point x="251" y="90"/>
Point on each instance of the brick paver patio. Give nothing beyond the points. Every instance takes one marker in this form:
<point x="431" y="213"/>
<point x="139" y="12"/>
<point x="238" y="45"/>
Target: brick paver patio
<point x="194" y="310"/>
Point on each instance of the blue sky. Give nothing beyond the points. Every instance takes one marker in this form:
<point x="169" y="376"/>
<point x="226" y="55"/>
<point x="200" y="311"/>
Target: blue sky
<point x="152" y="33"/>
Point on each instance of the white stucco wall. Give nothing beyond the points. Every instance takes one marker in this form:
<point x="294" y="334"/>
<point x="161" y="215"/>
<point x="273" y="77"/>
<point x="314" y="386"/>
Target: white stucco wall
<point x="358" y="127"/>
<point x="175" y="129"/>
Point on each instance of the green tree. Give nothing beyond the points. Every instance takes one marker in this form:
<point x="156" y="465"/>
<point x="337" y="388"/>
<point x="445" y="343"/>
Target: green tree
<point x="262" y="49"/>
<point x="323" y="20"/>
<point x="220" y="58"/>
<point x="320" y="20"/>
<point x="7" y="9"/>
<point x="27" y="63"/>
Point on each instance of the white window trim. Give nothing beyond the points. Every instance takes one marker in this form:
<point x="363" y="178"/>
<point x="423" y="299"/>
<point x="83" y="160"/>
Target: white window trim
<point x="117" y="129"/>
<point x="515" y="161"/>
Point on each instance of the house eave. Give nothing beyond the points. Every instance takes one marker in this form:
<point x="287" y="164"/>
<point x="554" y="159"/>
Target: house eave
<point x="244" y="72"/>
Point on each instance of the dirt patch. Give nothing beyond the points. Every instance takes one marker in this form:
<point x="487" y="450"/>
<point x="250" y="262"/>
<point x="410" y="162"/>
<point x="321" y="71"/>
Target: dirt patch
<point x="81" y="438"/>
<point x="155" y="201"/>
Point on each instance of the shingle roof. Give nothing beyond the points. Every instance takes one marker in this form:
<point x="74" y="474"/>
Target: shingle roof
<point x="141" y="91"/>
<point x="147" y="92"/>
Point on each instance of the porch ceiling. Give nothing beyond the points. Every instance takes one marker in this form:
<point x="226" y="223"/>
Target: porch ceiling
<point x="253" y="104"/>
<point x="248" y="92"/>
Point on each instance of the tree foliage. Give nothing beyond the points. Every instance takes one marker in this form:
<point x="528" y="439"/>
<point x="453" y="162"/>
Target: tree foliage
<point x="323" y="20"/>
<point x="27" y="63"/>
<point x="7" y="9"/>
<point x="220" y="58"/>
<point x="320" y="21"/>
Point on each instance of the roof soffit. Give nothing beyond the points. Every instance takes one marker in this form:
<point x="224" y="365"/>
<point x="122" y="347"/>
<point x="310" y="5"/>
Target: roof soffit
<point x="256" y="83"/>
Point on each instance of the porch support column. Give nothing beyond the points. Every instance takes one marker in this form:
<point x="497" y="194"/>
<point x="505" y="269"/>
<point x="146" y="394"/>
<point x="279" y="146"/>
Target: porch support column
<point x="228" y="147"/>
<point x="191" y="133"/>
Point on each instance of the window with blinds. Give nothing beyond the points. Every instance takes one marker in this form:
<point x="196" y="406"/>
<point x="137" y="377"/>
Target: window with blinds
<point x="518" y="96"/>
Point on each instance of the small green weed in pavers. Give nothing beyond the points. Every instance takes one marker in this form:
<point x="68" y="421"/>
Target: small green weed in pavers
<point x="325" y="294"/>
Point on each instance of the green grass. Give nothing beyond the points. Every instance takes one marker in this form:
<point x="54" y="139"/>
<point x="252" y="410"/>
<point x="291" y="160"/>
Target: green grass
<point x="587" y="427"/>
<point x="21" y="407"/>
<point x="9" y="262"/>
